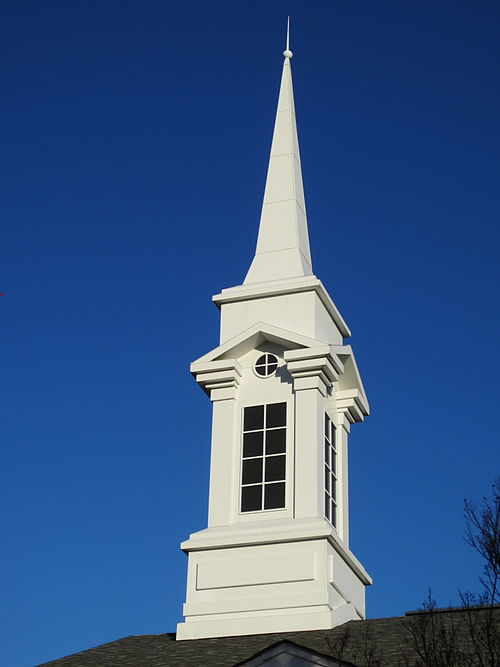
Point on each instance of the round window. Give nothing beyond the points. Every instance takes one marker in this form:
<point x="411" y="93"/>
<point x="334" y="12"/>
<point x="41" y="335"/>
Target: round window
<point x="266" y="365"/>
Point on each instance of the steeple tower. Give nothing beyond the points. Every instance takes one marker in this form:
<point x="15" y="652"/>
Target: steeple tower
<point x="285" y="390"/>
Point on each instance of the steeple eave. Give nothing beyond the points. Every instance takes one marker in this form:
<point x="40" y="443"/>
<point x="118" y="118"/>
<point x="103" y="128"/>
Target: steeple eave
<point x="247" y="292"/>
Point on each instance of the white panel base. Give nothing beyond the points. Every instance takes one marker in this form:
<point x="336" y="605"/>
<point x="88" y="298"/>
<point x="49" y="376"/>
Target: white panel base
<point x="264" y="588"/>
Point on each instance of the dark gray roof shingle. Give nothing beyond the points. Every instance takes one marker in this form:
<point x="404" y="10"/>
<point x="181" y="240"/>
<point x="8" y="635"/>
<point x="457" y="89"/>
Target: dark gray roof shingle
<point x="386" y="638"/>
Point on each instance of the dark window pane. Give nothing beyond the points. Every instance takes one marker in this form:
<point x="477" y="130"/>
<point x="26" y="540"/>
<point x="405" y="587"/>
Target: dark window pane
<point x="327" y="430"/>
<point x="327" y="480"/>
<point x="333" y="463"/>
<point x="275" y="468"/>
<point x="266" y="365"/>
<point x="252" y="471"/>
<point x="327" y="452"/>
<point x="254" y="418"/>
<point x="274" y="496"/>
<point x="253" y="443"/>
<point x="334" y="515"/>
<point x="333" y="436"/>
<point x="276" y="415"/>
<point x="327" y="506"/>
<point x="251" y="498"/>
<point x="332" y="487"/>
<point x="276" y="441"/>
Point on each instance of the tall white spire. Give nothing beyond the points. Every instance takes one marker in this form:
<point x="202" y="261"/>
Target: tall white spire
<point x="283" y="242"/>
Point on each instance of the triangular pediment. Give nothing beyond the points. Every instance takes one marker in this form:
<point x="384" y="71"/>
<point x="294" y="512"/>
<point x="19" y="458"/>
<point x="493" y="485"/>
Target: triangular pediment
<point x="289" y="654"/>
<point x="222" y="364"/>
<point x="253" y="337"/>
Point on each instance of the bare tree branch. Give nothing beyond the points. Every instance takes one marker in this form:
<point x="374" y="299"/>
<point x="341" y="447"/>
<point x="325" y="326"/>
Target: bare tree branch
<point x="482" y="533"/>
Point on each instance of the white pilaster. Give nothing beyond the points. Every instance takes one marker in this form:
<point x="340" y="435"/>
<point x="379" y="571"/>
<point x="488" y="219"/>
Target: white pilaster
<point x="342" y="433"/>
<point x="312" y="371"/>
<point x="220" y="380"/>
<point x="221" y="463"/>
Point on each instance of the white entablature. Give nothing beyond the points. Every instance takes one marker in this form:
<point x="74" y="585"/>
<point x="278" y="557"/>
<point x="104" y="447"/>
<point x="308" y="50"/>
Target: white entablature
<point x="285" y="390"/>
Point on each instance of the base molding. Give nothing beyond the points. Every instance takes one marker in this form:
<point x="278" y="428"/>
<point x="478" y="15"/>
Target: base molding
<point x="291" y="620"/>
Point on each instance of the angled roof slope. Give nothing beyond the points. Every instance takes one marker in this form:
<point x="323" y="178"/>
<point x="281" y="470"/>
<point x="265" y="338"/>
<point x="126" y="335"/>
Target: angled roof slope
<point x="390" y="638"/>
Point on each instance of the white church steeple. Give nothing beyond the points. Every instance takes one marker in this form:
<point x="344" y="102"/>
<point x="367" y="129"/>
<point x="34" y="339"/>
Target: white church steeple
<point x="283" y="242"/>
<point x="285" y="390"/>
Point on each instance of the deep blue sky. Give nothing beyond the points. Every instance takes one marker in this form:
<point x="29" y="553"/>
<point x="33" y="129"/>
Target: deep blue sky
<point x="135" y="138"/>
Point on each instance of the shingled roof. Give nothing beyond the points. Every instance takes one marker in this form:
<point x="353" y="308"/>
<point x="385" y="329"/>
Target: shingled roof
<point x="385" y="642"/>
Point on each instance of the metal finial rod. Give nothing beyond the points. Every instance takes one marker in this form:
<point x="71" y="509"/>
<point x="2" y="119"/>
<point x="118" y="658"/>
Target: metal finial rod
<point x="287" y="53"/>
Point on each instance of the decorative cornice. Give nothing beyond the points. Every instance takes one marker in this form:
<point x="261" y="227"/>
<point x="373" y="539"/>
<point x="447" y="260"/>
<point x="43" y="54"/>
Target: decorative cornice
<point x="319" y="365"/>
<point x="213" y="376"/>
<point x="353" y="404"/>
